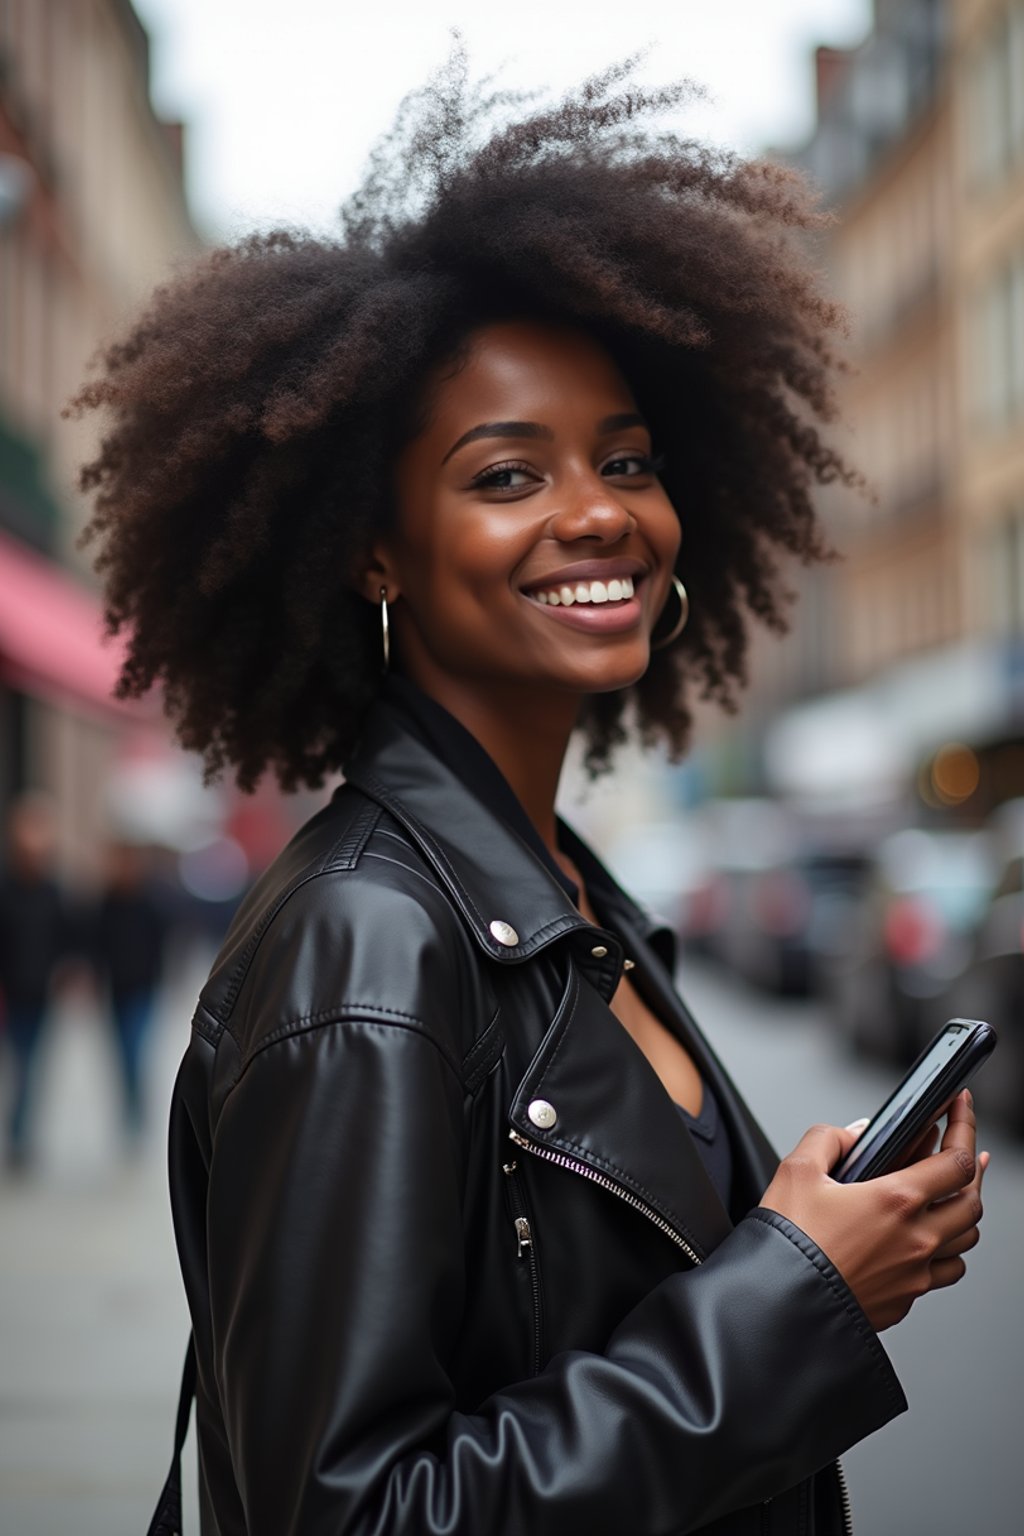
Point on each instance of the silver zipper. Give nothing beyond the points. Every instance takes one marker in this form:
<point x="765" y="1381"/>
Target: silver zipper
<point x="525" y="1248"/>
<point x="574" y="1166"/>
<point x="844" y="1494"/>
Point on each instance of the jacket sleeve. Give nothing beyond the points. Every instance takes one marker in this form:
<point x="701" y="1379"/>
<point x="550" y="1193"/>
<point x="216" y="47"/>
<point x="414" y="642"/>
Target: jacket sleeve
<point x="335" y="1262"/>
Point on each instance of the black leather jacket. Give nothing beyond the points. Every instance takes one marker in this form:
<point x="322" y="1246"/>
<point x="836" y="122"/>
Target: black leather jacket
<point x="453" y="1263"/>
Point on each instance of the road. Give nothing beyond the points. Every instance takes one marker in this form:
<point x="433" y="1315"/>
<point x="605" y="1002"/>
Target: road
<point x="93" y="1324"/>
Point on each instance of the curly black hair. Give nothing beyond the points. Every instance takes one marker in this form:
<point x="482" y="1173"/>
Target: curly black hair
<point x="257" y="407"/>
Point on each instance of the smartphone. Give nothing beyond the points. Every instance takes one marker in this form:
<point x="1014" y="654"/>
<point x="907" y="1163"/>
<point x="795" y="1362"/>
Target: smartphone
<point x="936" y="1077"/>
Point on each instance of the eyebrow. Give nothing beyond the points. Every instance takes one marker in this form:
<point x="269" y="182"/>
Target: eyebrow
<point x="521" y="429"/>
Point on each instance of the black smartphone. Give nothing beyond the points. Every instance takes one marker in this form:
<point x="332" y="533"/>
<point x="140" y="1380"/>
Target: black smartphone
<point x="936" y="1077"/>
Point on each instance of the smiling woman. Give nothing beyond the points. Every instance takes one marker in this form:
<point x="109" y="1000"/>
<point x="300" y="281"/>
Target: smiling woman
<point x="478" y="1237"/>
<point x="288" y="372"/>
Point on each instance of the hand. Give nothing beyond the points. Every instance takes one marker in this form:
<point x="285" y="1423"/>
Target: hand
<point x="895" y="1238"/>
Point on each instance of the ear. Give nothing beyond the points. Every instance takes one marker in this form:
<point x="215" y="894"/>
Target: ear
<point x="377" y="571"/>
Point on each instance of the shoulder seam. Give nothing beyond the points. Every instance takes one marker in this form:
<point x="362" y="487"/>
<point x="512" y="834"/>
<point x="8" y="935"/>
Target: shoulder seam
<point x="343" y="854"/>
<point x="351" y="1013"/>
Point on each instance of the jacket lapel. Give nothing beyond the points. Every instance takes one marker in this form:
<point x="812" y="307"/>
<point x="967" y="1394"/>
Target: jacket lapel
<point x="614" y="1118"/>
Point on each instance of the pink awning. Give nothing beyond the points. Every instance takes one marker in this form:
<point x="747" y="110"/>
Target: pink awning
<point x="51" y="635"/>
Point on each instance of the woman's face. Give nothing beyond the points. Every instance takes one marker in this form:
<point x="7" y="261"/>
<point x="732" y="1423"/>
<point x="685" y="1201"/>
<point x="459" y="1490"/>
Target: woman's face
<point x="534" y="544"/>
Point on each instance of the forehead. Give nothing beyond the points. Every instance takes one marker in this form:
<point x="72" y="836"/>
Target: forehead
<point x="531" y="371"/>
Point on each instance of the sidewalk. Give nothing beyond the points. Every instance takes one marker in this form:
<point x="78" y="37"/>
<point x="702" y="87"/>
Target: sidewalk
<point x="93" y="1323"/>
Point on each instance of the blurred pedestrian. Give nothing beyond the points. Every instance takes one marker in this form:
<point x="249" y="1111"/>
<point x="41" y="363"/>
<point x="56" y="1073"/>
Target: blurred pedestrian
<point x="128" y="937"/>
<point x="35" y="937"/>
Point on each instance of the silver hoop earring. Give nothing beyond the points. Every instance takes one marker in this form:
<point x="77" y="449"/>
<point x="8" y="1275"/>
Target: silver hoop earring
<point x="385" y="627"/>
<point x="680" y="624"/>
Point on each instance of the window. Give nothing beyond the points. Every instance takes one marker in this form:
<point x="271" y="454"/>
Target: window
<point x="1003" y="596"/>
<point x="997" y="345"/>
<point x="995" y="99"/>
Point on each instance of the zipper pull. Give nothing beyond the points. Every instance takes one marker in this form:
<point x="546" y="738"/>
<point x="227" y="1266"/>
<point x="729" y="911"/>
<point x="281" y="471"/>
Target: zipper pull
<point x="524" y="1235"/>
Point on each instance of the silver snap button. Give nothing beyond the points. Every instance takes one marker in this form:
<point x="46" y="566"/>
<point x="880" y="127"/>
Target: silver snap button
<point x="504" y="933"/>
<point x="542" y="1114"/>
<point x="599" y="951"/>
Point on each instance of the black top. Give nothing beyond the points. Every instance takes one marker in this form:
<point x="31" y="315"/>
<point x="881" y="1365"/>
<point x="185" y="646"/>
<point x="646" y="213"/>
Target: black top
<point x="712" y="1142"/>
<point x="460" y="751"/>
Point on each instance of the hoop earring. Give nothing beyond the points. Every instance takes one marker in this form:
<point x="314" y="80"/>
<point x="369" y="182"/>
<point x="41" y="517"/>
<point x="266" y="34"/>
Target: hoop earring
<point x="385" y="627"/>
<point x="680" y="624"/>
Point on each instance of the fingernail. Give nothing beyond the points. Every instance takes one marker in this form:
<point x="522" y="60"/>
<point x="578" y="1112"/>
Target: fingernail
<point x="858" y="1125"/>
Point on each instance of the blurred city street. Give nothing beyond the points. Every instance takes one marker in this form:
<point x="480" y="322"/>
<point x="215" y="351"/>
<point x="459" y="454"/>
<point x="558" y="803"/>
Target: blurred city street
<point x="93" y="1322"/>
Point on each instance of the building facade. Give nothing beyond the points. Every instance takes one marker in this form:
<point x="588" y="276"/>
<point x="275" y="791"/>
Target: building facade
<point x="913" y="639"/>
<point x="92" y="214"/>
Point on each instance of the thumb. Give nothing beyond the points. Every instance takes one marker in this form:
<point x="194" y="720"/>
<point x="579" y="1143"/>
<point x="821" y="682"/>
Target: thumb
<point x="824" y="1145"/>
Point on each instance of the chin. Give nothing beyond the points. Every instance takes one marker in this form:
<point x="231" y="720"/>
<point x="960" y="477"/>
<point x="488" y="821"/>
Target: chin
<point x="611" y="679"/>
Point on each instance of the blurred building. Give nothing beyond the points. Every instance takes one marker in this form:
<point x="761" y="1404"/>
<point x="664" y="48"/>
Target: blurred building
<point x="913" y="640"/>
<point x="92" y="213"/>
<point x="989" y="252"/>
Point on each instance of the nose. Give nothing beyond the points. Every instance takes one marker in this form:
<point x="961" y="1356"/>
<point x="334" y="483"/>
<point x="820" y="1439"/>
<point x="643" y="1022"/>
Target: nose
<point x="590" y="509"/>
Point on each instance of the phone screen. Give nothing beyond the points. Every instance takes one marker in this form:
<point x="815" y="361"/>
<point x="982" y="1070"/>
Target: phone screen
<point x="912" y="1087"/>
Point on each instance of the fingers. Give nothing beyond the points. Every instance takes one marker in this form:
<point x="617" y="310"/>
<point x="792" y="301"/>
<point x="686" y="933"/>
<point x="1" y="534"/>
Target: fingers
<point x="960" y="1215"/>
<point x="961" y="1127"/>
<point x="947" y="1272"/>
<point x="953" y="1166"/>
<point x="962" y="1243"/>
<point x="933" y="1178"/>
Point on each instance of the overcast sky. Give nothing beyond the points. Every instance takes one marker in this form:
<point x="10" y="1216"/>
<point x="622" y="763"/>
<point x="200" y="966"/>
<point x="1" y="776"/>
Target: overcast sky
<point x="283" y="98"/>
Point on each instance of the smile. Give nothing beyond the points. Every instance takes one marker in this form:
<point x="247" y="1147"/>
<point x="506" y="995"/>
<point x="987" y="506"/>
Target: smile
<point x="596" y="606"/>
<point x="569" y="593"/>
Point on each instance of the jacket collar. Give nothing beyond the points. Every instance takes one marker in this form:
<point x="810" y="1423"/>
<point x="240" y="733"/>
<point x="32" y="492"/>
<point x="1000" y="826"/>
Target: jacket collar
<point x="508" y="897"/>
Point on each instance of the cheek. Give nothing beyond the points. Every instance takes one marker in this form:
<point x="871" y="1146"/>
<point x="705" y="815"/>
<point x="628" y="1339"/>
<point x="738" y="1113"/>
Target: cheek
<point x="475" y="555"/>
<point x="667" y="531"/>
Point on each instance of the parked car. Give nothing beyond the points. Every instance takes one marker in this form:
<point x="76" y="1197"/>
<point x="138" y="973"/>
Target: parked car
<point x="775" y="905"/>
<point x="909" y="938"/>
<point x="991" y="985"/>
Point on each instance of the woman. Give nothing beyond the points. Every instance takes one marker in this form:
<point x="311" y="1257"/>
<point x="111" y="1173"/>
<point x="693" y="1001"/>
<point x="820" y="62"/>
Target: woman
<point x="477" y="1234"/>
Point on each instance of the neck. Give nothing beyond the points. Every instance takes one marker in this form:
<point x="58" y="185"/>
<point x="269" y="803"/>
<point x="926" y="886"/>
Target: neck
<point x="526" y="734"/>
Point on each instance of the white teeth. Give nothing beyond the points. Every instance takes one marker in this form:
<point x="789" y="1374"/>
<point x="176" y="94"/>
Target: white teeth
<point x="617" y="590"/>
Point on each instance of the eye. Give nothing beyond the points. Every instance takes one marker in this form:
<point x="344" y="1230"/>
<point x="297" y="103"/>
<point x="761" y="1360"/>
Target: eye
<point x="501" y="477"/>
<point x="632" y="466"/>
